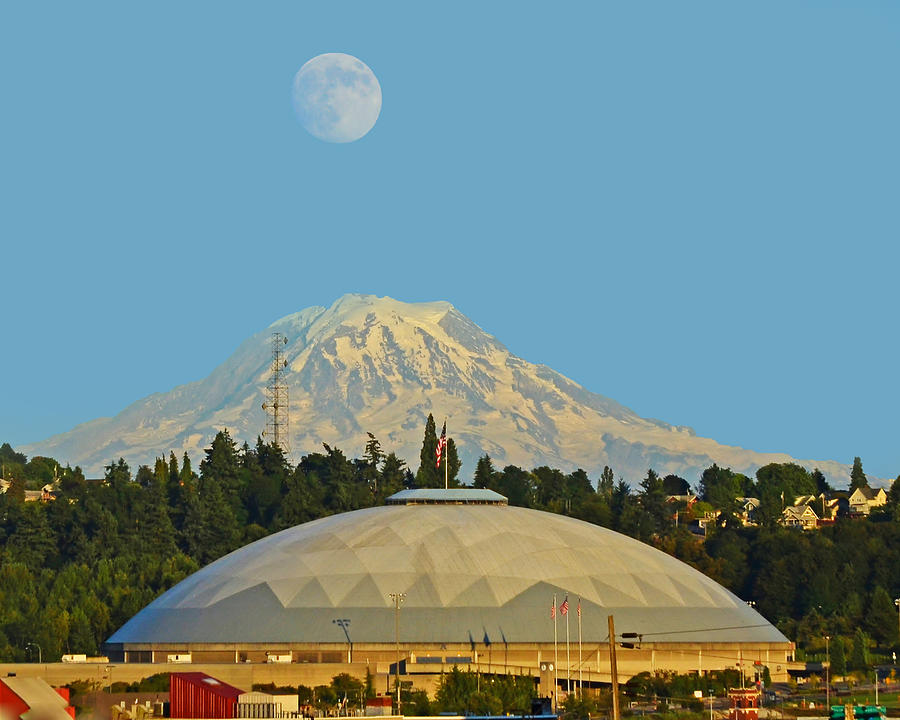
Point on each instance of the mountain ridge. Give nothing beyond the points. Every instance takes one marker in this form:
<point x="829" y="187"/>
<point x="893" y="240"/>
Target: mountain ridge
<point x="369" y="364"/>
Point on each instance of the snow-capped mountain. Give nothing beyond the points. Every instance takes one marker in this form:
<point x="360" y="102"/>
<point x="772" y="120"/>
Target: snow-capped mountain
<point x="370" y="364"/>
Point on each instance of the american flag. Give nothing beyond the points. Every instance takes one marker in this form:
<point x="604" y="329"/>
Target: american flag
<point x="553" y="609"/>
<point x="564" y="608"/>
<point x="442" y="443"/>
<point x="579" y="607"/>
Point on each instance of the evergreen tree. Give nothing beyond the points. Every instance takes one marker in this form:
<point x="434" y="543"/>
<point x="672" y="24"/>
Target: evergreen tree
<point x="144" y="476"/>
<point x="426" y="475"/>
<point x="118" y="476"/>
<point x="186" y="474"/>
<point x="33" y="543"/>
<point x="265" y="471"/>
<point x="217" y="531"/>
<point x="607" y="481"/>
<point x="859" y="653"/>
<point x="484" y="472"/>
<point x="372" y="453"/>
<point x="822" y="484"/>
<point x="8" y="456"/>
<point x="838" y="658"/>
<point x="173" y="466"/>
<point x="450" y="457"/>
<point x="16" y="490"/>
<point x="223" y="465"/>
<point x="881" y="617"/>
<point x="302" y="502"/>
<point x="156" y="533"/>
<point x="393" y="474"/>
<point x="372" y="458"/>
<point x="653" y="501"/>
<point x="892" y="505"/>
<point x="858" y="478"/>
<point x="161" y="472"/>
<point x="72" y="482"/>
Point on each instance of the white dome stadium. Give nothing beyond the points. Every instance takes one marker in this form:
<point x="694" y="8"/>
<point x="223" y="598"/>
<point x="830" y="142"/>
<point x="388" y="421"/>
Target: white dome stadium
<point x="471" y="568"/>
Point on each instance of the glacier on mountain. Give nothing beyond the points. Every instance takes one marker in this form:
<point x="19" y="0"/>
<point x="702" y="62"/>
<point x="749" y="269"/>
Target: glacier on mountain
<point x="370" y="364"/>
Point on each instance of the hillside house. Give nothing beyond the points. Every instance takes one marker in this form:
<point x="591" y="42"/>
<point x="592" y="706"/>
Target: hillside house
<point x="865" y="499"/>
<point x="826" y="507"/>
<point x="802" y="516"/>
<point x="747" y="511"/>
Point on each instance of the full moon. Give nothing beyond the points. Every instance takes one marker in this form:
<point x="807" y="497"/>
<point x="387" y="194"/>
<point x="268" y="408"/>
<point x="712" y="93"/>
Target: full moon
<point x="336" y="97"/>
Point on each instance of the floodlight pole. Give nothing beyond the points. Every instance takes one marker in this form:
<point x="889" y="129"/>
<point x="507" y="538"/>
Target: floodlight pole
<point x="398" y="598"/>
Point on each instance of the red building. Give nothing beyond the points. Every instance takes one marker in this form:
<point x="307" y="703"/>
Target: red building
<point x="744" y="704"/>
<point x="27" y="698"/>
<point x="197" y="695"/>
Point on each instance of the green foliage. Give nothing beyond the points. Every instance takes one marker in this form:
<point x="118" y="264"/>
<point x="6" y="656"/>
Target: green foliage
<point x="426" y="475"/>
<point x="606" y="483"/>
<point x="721" y="488"/>
<point x="674" y="485"/>
<point x="453" y="464"/>
<point x="154" y="683"/>
<point x="857" y="476"/>
<point x="859" y="652"/>
<point x="484" y="472"/>
<point x="465" y="693"/>
<point x="74" y="570"/>
<point x="838" y="658"/>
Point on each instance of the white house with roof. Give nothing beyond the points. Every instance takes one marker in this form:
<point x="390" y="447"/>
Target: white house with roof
<point x="802" y="516"/>
<point x="864" y="499"/>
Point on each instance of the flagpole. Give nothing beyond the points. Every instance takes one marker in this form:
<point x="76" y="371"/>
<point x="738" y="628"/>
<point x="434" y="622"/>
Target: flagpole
<point x="555" y="658"/>
<point x="580" y="691"/>
<point x="446" y="464"/>
<point x="568" y="661"/>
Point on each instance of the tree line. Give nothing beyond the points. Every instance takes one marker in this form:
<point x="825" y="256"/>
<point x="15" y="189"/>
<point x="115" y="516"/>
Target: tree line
<point x="74" y="570"/>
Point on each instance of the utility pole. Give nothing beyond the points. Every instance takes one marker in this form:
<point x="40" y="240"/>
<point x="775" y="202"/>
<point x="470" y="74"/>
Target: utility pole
<point x="398" y="598"/>
<point x="897" y="603"/>
<point x="827" y="676"/>
<point x="613" y="669"/>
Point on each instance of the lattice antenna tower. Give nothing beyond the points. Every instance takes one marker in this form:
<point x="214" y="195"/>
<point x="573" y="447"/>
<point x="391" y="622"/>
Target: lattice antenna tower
<point x="278" y="418"/>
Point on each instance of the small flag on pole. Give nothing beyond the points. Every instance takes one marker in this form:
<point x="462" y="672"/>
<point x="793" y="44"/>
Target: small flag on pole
<point x="564" y="608"/>
<point x="579" y="607"/>
<point x="553" y="610"/>
<point x="442" y="443"/>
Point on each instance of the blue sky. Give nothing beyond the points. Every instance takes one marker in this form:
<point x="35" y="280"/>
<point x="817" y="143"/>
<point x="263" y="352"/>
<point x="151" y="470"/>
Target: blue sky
<point x="690" y="207"/>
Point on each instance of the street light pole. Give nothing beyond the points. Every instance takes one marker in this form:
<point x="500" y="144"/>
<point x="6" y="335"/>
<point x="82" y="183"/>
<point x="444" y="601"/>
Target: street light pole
<point x="40" y="657"/>
<point x="344" y="624"/>
<point x="398" y="598"/>
<point x="827" y="675"/>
